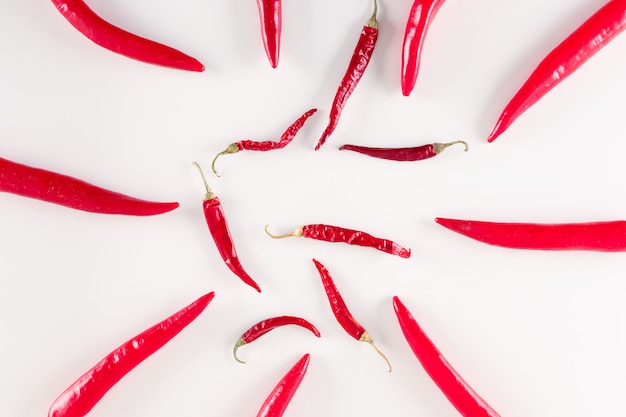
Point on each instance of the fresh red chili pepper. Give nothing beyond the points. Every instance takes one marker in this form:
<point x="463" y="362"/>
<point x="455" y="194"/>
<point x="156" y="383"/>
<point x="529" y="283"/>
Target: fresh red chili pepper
<point x="278" y="400"/>
<point x="267" y="145"/>
<point x="420" y="17"/>
<point x="456" y="390"/>
<point x="270" y="14"/>
<point x="84" y="394"/>
<point x="67" y="191"/>
<point x="218" y="227"/>
<point x="608" y="236"/>
<point x="403" y="154"/>
<point x="115" y="39"/>
<point x="341" y="312"/>
<point x="359" y="62"/>
<point x="328" y="233"/>
<point x="597" y="31"/>
<point x="267" y="325"/>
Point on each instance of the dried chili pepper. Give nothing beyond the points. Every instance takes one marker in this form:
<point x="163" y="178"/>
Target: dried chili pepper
<point x="52" y="187"/>
<point x="341" y="312"/>
<point x="218" y="227"/>
<point x="421" y="15"/>
<point x="359" y="62"/>
<point x="597" y="31"/>
<point x="329" y="233"/>
<point x="278" y="400"/>
<point x="115" y="39"/>
<point x="267" y="325"/>
<point x="84" y="394"/>
<point x="252" y="145"/>
<point x="270" y="14"/>
<point x="456" y="390"/>
<point x="415" y="153"/>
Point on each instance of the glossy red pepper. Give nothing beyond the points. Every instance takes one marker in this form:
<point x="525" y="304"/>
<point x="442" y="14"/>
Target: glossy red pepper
<point x="456" y="390"/>
<point x="278" y="400"/>
<point x="597" y="31"/>
<point x="52" y="187"/>
<point x="80" y="397"/>
<point x="115" y="39"/>
<point x="415" y="153"/>
<point x="270" y="14"/>
<point x="267" y="325"/>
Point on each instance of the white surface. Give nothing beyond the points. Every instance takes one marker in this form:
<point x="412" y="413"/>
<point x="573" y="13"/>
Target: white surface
<point x="535" y="333"/>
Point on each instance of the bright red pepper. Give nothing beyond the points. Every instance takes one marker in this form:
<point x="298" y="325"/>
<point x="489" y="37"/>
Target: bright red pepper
<point x="270" y="14"/>
<point x="415" y="153"/>
<point x="278" y="400"/>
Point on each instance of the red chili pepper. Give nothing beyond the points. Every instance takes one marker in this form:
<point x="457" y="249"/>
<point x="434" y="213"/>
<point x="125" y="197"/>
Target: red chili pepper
<point x="84" y="394"/>
<point x="120" y="41"/>
<point x="270" y="14"/>
<point x="458" y="392"/>
<point x="67" y="191"/>
<point x="403" y="154"/>
<point x="218" y="227"/>
<point x="421" y="15"/>
<point x="267" y="325"/>
<point x="609" y="236"/>
<point x="341" y="312"/>
<point x="278" y="400"/>
<point x="251" y="145"/>
<point x="328" y="233"/>
<point x="360" y="59"/>
<point x="567" y="57"/>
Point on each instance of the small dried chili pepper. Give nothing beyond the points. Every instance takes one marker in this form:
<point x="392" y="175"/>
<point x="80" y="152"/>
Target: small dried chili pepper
<point x="267" y="325"/>
<point x="597" y="31"/>
<point x="52" y="187"/>
<point x="218" y="227"/>
<point x="270" y="14"/>
<point x="404" y="154"/>
<point x="456" y="390"/>
<point x="359" y="62"/>
<point x="328" y="233"/>
<point x="341" y="312"/>
<point x="115" y="39"/>
<point x="252" y="145"/>
<point x="80" y="397"/>
<point x="278" y="400"/>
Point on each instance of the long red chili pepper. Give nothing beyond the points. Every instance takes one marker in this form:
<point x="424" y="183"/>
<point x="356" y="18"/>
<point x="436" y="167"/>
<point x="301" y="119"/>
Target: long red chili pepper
<point x="415" y="153"/>
<point x="341" y="312"/>
<point x="270" y="14"/>
<point x="456" y="390"/>
<point x="278" y="400"/>
<point x="267" y="325"/>
<point x="71" y="192"/>
<point x="267" y="145"/>
<point x="359" y="62"/>
<point x="328" y="233"/>
<point x="597" y="31"/>
<point x="84" y="394"/>
<point x="420" y="17"/>
<point x="608" y="236"/>
<point x="115" y="39"/>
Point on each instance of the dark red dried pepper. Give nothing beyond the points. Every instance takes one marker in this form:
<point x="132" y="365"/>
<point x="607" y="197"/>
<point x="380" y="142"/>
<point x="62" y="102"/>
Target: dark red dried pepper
<point x="456" y="390"/>
<point x="270" y="14"/>
<point x="115" y="39"/>
<point x="267" y="325"/>
<point x="80" y="397"/>
<point x="276" y="403"/>
<point x="597" y="31"/>
<point x="415" y="153"/>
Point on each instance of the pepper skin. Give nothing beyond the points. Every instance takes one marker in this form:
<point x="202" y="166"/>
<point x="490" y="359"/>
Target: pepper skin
<point x="416" y="153"/>
<point x="278" y="400"/>
<point x="271" y="17"/>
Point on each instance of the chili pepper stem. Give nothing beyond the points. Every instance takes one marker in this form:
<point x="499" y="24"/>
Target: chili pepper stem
<point x="365" y="337"/>
<point x="372" y="22"/>
<point x="209" y="194"/>
<point x="238" y="344"/>
<point x="296" y="233"/>
<point x="440" y="147"/>
<point x="232" y="148"/>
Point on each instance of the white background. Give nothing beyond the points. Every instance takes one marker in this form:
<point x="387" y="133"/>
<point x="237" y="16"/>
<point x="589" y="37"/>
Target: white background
<point x="535" y="333"/>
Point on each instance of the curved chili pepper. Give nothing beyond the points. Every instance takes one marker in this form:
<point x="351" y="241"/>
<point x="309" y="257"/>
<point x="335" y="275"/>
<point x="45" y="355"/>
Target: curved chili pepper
<point x="456" y="390"/>
<point x="270" y="14"/>
<point x="360" y="59"/>
<point x="597" y="31"/>
<point x="84" y="394"/>
<point x="278" y="400"/>
<point x="218" y="227"/>
<point x="267" y="145"/>
<point x="341" y="312"/>
<point x="609" y="236"/>
<point x="404" y="154"/>
<point x="328" y="233"/>
<point x="115" y="39"/>
<point x="52" y="187"/>
<point x="421" y="15"/>
<point x="267" y="325"/>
